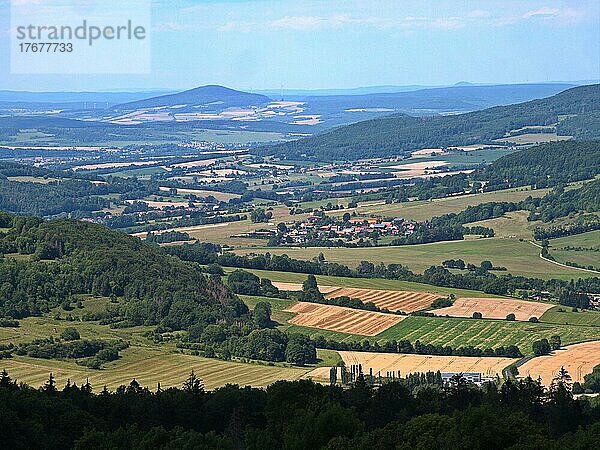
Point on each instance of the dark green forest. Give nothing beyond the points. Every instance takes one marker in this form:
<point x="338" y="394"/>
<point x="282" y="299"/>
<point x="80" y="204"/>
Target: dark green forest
<point x="414" y="412"/>
<point x="64" y="192"/>
<point x="543" y="166"/>
<point x="400" y="134"/>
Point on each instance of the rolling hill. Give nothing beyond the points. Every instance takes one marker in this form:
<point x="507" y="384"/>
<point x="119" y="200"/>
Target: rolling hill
<point x="459" y="98"/>
<point x="399" y="134"/>
<point x="208" y="97"/>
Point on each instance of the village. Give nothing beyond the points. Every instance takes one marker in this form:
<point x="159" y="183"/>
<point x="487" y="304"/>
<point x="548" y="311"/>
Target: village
<point x="346" y="231"/>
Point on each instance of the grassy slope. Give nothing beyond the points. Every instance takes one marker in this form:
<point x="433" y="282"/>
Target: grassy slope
<point x="149" y="366"/>
<point x="423" y="210"/>
<point x="589" y="240"/>
<point x="147" y="362"/>
<point x="520" y="257"/>
<point x="566" y="316"/>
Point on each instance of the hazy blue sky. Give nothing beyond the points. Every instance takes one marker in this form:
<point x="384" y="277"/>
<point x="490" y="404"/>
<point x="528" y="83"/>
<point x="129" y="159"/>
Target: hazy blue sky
<point x="248" y="44"/>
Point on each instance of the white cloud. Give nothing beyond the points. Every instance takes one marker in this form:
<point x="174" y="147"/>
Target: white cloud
<point x="469" y="18"/>
<point x="564" y="15"/>
<point x="544" y="12"/>
<point x="308" y="23"/>
<point x="297" y="23"/>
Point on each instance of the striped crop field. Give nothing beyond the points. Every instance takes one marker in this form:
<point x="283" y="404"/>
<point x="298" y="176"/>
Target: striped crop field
<point x="408" y="363"/>
<point x="578" y="359"/>
<point x="404" y="301"/>
<point x="148" y="367"/>
<point x="337" y="318"/>
<point x="294" y="287"/>
<point x="495" y="308"/>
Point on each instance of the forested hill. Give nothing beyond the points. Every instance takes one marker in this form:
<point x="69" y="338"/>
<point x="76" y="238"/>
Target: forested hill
<point x="65" y="258"/>
<point x="400" y="134"/>
<point x="62" y="192"/>
<point x="544" y="165"/>
<point x="201" y="96"/>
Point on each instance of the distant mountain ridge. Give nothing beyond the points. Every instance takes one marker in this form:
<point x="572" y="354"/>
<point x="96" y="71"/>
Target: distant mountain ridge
<point x="399" y="134"/>
<point x="59" y="97"/>
<point x="203" y="96"/>
<point x="431" y="101"/>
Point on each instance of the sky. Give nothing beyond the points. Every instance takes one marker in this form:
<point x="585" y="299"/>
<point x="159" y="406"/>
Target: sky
<point x="321" y="44"/>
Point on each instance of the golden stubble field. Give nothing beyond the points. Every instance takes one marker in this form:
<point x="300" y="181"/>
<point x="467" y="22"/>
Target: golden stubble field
<point x="149" y="367"/>
<point x="578" y="359"/>
<point x="494" y="308"/>
<point x="392" y="300"/>
<point x="295" y="287"/>
<point x="338" y="318"/>
<point x="382" y="363"/>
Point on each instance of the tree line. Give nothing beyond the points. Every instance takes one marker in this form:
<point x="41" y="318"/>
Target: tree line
<point x="410" y="412"/>
<point x="480" y="280"/>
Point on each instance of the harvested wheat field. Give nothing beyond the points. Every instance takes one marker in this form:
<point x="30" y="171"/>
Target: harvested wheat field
<point x="494" y="308"/>
<point x="578" y="359"/>
<point x="393" y="362"/>
<point x="298" y="287"/>
<point x="393" y="300"/>
<point x="149" y="367"/>
<point x="338" y="318"/>
<point x="320" y="374"/>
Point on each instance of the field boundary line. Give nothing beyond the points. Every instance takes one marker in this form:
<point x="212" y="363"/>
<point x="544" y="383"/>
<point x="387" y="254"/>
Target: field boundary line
<point x="561" y="264"/>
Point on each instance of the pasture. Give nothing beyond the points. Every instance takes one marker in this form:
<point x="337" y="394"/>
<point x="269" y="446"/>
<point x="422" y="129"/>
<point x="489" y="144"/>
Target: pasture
<point x="494" y="308"/>
<point x="463" y="156"/>
<point x="564" y="315"/>
<point x="426" y="209"/>
<point x="337" y="318"/>
<point x="583" y="249"/>
<point x="578" y="359"/>
<point x="519" y="257"/>
<point x="533" y="138"/>
<point x="29" y="179"/>
<point x="510" y="225"/>
<point x="392" y="300"/>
